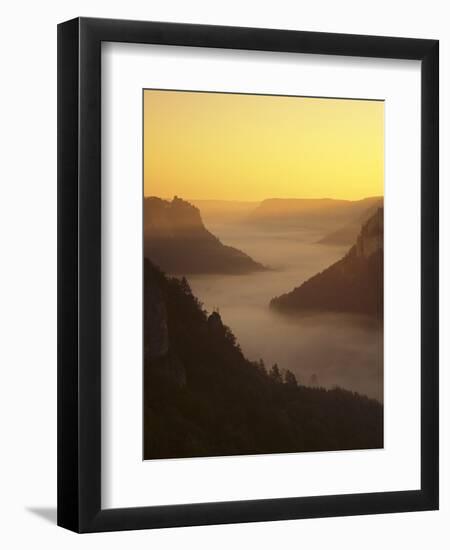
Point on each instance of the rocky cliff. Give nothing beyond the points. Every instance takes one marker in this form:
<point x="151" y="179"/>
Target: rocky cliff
<point x="354" y="284"/>
<point x="176" y="239"/>
<point x="156" y="334"/>
<point x="160" y="358"/>
<point x="370" y="238"/>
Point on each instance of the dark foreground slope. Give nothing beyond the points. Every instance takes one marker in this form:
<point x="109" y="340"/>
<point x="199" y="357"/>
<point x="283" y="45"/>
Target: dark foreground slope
<point x="177" y="241"/>
<point x="202" y="397"/>
<point x="354" y="284"/>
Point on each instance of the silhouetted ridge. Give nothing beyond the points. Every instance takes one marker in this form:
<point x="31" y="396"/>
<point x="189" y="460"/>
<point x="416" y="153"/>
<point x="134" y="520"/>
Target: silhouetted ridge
<point x="176" y="240"/>
<point x="202" y="397"/>
<point x="354" y="284"/>
<point x="317" y="214"/>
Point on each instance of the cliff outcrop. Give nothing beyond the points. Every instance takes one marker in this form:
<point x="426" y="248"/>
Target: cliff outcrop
<point x="176" y="240"/>
<point x="354" y="284"/>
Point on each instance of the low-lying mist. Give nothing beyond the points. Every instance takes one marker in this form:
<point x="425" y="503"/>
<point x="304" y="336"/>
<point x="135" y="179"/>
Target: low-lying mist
<point x="321" y="349"/>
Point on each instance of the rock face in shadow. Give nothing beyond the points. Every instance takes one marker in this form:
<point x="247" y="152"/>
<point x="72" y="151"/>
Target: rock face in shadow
<point x="354" y="284"/>
<point x="160" y="358"/>
<point x="176" y="239"/>
<point x="156" y="333"/>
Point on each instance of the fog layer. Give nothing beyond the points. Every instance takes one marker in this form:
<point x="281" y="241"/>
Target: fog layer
<point x="321" y="349"/>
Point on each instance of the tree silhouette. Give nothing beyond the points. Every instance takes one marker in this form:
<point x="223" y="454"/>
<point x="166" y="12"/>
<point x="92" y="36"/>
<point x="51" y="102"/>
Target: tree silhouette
<point x="275" y="374"/>
<point x="290" y="379"/>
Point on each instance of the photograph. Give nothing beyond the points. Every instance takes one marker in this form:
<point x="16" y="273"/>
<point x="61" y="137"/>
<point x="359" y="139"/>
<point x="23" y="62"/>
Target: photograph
<point x="248" y="274"/>
<point x="262" y="274"/>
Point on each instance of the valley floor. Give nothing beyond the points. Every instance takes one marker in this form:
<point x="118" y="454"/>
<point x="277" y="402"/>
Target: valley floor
<point x="321" y="349"/>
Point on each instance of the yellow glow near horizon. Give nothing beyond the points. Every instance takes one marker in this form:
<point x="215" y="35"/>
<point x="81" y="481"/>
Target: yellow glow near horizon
<point x="201" y="145"/>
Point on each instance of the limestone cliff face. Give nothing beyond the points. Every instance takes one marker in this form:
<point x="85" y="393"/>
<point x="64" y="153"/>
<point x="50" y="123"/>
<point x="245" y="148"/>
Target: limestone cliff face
<point x="354" y="284"/>
<point x="176" y="240"/>
<point x="156" y="337"/>
<point x="169" y="219"/>
<point x="158" y="354"/>
<point x="370" y="239"/>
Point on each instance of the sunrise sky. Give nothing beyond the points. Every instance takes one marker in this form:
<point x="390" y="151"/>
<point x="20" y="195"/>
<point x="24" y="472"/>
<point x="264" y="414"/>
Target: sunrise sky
<point x="250" y="148"/>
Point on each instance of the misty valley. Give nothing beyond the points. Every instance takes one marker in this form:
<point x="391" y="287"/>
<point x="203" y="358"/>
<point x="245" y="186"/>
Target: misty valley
<point x="263" y="326"/>
<point x="320" y="347"/>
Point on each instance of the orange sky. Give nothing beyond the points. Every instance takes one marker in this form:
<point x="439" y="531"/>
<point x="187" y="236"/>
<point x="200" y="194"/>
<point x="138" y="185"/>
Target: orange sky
<point x="248" y="147"/>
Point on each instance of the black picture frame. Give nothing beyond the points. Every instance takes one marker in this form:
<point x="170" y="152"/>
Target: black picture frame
<point x="79" y="274"/>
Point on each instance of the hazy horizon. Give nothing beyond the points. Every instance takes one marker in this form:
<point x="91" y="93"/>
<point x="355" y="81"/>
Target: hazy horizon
<point x="209" y="199"/>
<point x="241" y="144"/>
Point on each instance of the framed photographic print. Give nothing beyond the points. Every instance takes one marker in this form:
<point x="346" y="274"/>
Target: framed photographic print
<point x="248" y="275"/>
